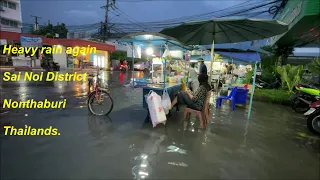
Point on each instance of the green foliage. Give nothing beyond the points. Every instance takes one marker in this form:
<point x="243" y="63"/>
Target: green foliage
<point x="248" y="76"/>
<point x="280" y="53"/>
<point x="268" y="64"/>
<point x="314" y="67"/>
<point x="290" y="75"/>
<point x="273" y="96"/>
<point x="118" y="55"/>
<point x="50" y="31"/>
<point x="283" y="51"/>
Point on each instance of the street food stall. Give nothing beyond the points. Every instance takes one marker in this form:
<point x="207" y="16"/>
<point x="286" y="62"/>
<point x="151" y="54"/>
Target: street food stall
<point x="168" y="64"/>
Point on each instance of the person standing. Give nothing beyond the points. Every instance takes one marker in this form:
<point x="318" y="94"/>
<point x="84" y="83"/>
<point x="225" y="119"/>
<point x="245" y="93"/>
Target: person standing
<point x="203" y="67"/>
<point x="194" y="83"/>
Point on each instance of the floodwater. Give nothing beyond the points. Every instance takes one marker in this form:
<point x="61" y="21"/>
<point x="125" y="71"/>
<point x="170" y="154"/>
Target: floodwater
<point x="274" y="143"/>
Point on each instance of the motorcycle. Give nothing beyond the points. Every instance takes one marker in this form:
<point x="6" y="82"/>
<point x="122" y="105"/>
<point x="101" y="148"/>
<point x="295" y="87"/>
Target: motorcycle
<point x="303" y="97"/>
<point x="124" y="68"/>
<point x="264" y="85"/>
<point x="313" y="114"/>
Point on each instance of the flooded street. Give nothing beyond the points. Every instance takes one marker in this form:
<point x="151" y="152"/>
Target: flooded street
<point x="275" y="143"/>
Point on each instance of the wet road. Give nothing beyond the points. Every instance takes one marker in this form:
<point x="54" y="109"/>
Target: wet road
<point x="275" y="143"/>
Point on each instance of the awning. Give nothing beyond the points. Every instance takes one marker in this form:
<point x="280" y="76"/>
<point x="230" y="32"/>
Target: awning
<point x="64" y="42"/>
<point x="236" y="56"/>
<point x="243" y="56"/>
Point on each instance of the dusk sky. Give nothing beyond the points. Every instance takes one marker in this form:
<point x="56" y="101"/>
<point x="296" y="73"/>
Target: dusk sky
<point x="79" y="12"/>
<point x="76" y="12"/>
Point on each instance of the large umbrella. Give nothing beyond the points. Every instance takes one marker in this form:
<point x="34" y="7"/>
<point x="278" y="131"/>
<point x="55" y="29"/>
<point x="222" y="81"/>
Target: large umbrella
<point x="226" y="31"/>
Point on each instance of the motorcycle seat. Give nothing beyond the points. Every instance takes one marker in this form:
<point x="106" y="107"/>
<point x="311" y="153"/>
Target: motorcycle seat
<point x="309" y="86"/>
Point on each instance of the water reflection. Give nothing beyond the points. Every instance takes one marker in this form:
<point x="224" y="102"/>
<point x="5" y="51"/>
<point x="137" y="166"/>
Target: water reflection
<point x="245" y="134"/>
<point x="100" y="126"/>
<point x="142" y="170"/>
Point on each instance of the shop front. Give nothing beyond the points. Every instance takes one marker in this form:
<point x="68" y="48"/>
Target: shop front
<point x="95" y="54"/>
<point x="303" y="18"/>
<point x="68" y="53"/>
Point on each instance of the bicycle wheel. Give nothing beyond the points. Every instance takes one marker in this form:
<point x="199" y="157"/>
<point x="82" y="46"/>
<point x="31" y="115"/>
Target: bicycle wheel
<point x="100" y="103"/>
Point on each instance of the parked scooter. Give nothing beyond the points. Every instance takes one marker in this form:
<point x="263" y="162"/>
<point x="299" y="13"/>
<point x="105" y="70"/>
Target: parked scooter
<point x="313" y="122"/>
<point x="264" y="85"/>
<point x="304" y="96"/>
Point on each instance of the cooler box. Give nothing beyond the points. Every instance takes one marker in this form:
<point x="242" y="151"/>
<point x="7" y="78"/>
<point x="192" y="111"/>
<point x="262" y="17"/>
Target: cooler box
<point x="241" y="96"/>
<point x="140" y="81"/>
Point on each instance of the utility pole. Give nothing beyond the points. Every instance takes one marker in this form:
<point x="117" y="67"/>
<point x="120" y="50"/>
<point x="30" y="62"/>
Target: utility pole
<point x="36" y="25"/>
<point x="106" y="29"/>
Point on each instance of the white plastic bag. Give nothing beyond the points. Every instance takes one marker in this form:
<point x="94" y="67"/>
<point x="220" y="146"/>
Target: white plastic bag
<point x="156" y="110"/>
<point x="166" y="101"/>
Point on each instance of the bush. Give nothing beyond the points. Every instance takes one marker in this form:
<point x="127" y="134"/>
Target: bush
<point x="290" y="75"/>
<point x="272" y="96"/>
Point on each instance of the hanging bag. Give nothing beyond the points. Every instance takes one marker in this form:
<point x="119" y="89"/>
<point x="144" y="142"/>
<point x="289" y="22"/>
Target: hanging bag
<point x="166" y="101"/>
<point x="156" y="110"/>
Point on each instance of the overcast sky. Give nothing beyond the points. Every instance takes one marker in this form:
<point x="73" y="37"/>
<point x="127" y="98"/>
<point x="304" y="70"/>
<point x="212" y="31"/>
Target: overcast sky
<point x="75" y="12"/>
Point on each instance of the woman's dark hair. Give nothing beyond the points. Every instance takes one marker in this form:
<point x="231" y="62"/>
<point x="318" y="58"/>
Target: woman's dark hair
<point x="203" y="80"/>
<point x="192" y="65"/>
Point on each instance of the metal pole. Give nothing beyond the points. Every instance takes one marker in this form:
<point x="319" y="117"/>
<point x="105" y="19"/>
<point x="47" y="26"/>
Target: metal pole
<point x="252" y="90"/>
<point x="185" y="70"/>
<point x="211" y="64"/>
<point x="132" y="64"/>
<point x="164" y="70"/>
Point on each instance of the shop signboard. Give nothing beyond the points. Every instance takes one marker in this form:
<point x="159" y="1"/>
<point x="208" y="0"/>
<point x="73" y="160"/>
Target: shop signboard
<point x="30" y="41"/>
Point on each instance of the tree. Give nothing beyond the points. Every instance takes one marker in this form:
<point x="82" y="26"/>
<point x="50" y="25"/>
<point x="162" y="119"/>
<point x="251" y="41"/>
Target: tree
<point x="281" y="53"/>
<point x="314" y="67"/>
<point x="118" y="55"/>
<point x="50" y="31"/>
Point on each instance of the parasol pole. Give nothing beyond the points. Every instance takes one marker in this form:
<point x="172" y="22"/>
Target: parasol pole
<point x="212" y="60"/>
<point x="132" y="64"/>
<point x="252" y="89"/>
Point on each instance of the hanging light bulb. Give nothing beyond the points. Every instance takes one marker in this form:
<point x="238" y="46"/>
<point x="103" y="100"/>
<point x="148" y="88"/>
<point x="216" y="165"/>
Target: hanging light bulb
<point x="149" y="51"/>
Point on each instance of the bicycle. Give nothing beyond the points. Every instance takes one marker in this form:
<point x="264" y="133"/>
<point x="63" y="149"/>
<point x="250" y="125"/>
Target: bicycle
<point x="97" y="95"/>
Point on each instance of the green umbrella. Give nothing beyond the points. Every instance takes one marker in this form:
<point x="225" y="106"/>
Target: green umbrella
<point x="226" y="31"/>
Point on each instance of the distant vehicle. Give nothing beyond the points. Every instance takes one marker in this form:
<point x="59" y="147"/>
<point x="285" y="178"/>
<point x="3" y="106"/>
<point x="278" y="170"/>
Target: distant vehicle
<point x="142" y="66"/>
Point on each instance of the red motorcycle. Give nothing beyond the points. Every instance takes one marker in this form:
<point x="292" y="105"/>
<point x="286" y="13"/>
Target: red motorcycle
<point x="313" y="115"/>
<point x="124" y="66"/>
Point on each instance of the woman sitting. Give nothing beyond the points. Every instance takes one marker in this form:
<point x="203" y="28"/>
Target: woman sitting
<point x="196" y="99"/>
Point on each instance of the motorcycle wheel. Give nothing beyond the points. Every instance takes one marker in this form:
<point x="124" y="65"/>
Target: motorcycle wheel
<point x="313" y="123"/>
<point x="299" y="106"/>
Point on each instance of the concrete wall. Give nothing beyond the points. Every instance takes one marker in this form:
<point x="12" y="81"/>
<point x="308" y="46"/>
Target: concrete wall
<point x="61" y="58"/>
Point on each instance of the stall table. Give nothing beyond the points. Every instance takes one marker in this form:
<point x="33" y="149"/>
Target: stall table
<point x="171" y="88"/>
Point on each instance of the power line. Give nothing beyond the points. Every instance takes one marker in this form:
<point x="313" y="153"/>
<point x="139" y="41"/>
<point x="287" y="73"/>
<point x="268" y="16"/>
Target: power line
<point x="132" y="19"/>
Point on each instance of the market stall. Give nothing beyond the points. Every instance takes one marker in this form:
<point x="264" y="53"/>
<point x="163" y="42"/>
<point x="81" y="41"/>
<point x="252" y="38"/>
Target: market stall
<point x="217" y="31"/>
<point x="246" y="58"/>
<point x="168" y="64"/>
